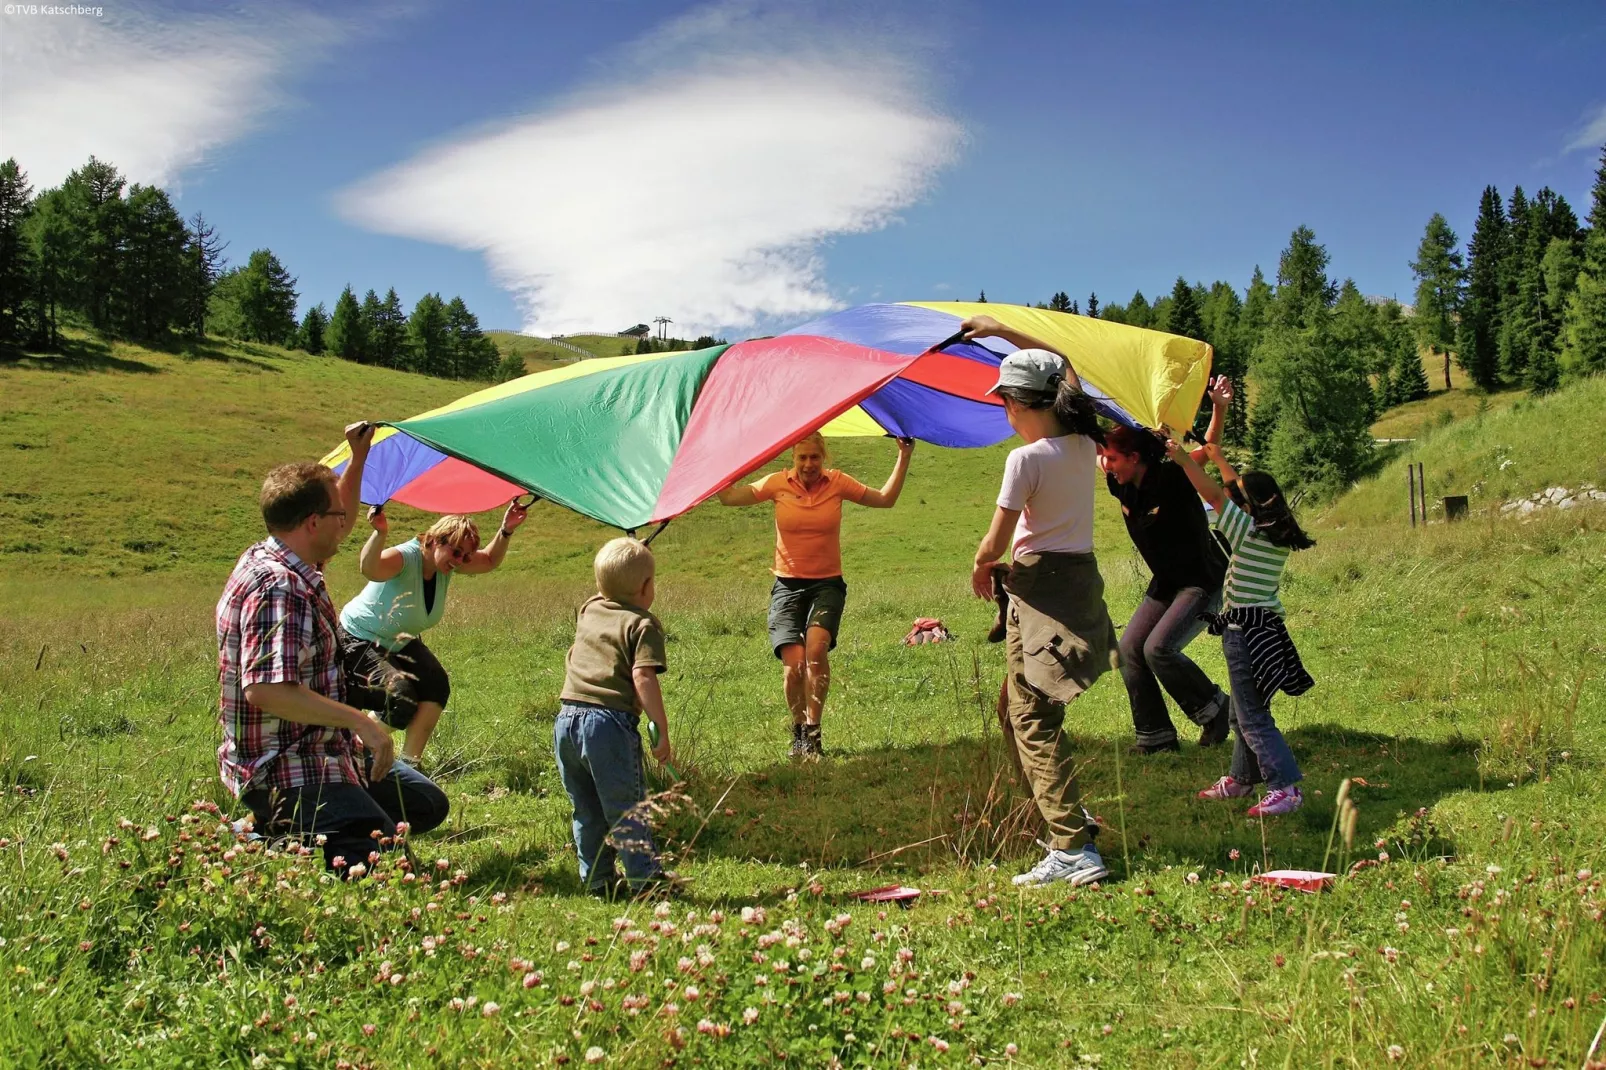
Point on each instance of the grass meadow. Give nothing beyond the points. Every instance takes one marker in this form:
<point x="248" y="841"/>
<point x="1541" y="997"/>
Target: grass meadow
<point x="1459" y="690"/>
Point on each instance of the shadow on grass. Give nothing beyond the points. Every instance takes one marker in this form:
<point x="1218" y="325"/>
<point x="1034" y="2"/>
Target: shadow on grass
<point x="77" y="355"/>
<point x="907" y="810"/>
<point x="230" y="353"/>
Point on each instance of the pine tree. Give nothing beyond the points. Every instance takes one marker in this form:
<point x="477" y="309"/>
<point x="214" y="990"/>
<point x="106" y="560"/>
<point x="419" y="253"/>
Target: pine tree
<point x="511" y="366"/>
<point x="202" y="264"/>
<point x="1515" y="322"/>
<point x="1093" y="305"/>
<point x="1584" y="326"/>
<point x="268" y="302"/>
<point x="1358" y="331"/>
<point x="475" y="356"/>
<point x="314" y="330"/>
<point x="373" y="315"/>
<point x="1076" y="309"/>
<point x="347" y="334"/>
<point x="93" y="198"/>
<point x="149" y="298"/>
<point x="1408" y="379"/>
<point x="1257" y="311"/>
<point x="1481" y="313"/>
<point x="429" y="339"/>
<point x="1060" y="302"/>
<point x="1440" y="283"/>
<point x="49" y="234"/>
<point x="983" y="298"/>
<point x="1183" y="316"/>
<point x="1138" y="312"/>
<point x="16" y="263"/>
<point x="387" y="331"/>
<point x="1311" y="426"/>
<point x="1222" y="312"/>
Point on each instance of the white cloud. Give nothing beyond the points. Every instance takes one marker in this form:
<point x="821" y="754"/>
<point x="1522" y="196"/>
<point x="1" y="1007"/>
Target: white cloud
<point x="153" y="93"/>
<point x="700" y="190"/>
<point x="1591" y="132"/>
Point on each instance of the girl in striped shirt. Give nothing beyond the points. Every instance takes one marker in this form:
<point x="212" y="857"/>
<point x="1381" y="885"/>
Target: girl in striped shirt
<point x="1254" y="518"/>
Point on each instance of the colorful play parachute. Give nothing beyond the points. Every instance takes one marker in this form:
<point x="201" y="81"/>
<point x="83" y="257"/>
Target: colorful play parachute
<point x="636" y="440"/>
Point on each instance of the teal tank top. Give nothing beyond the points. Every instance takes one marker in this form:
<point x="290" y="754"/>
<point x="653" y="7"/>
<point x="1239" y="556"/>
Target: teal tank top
<point x="392" y="613"/>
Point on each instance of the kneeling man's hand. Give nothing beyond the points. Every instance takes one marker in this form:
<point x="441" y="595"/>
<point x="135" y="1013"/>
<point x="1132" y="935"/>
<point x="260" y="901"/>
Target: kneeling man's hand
<point x="376" y="740"/>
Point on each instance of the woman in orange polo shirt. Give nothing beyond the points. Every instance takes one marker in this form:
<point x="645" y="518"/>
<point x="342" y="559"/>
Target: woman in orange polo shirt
<point x="807" y="599"/>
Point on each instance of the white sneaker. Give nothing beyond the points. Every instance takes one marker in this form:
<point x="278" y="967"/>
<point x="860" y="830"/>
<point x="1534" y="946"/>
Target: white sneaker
<point x="1074" y="867"/>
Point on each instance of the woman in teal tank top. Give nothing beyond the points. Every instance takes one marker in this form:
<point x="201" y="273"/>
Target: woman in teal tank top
<point x="388" y="668"/>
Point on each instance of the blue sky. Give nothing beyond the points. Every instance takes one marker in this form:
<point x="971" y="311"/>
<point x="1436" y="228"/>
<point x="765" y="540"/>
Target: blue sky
<point x="742" y="166"/>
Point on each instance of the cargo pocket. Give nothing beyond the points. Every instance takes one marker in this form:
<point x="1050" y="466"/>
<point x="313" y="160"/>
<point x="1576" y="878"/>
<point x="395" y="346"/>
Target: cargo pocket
<point x="1056" y="659"/>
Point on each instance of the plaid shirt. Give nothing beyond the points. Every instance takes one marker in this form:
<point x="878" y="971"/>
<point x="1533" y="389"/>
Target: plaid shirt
<point x="276" y="624"/>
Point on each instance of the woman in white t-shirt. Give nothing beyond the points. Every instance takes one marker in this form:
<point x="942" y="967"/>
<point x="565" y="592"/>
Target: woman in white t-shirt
<point x="1058" y="637"/>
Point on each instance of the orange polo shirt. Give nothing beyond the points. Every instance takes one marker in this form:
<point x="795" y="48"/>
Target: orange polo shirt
<point x="808" y="523"/>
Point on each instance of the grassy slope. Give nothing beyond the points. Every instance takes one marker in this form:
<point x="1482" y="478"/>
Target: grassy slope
<point x="1458" y="671"/>
<point x="529" y="346"/>
<point x="1517" y="447"/>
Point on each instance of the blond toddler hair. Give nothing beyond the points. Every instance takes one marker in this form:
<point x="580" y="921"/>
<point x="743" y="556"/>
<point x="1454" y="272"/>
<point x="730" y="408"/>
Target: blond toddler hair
<point x="623" y="566"/>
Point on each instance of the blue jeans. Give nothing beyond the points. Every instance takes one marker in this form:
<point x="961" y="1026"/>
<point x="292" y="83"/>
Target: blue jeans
<point x="348" y="815"/>
<point x="599" y="759"/>
<point x="1259" y="751"/>
<point x="1152" y="657"/>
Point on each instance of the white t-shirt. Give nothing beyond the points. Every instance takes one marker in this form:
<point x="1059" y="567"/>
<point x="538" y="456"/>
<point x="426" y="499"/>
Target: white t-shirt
<point x="1051" y="482"/>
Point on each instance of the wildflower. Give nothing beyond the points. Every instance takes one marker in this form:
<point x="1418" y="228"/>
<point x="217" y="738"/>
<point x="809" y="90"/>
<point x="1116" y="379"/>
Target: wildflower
<point x="1108" y="1029"/>
<point x="1192" y="878"/>
<point x="60" y="849"/>
<point x="320" y="839"/>
<point x="661" y="910"/>
<point x="403" y="828"/>
<point x="532" y="978"/>
<point x="456" y="1004"/>
<point x="1492" y="869"/>
<point x="369" y="1029"/>
<point x="338" y="861"/>
<point x="588" y="987"/>
<point x="704" y="1026"/>
<point x="905" y="954"/>
<point x="867" y="963"/>
<point x="1011" y="1050"/>
<point x="938" y="1043"/>
<point x="638" y="961"/>
<point x="1011" y="998"/>
<point x="491" y="1009"/>
<point x="561" y="946"/>
<point x="750" y="1015"/>
<point x="85" y="945"/>
<point x="1396" y="1053"/>
<point x="595" y="1054"/>
<point x="1235" y="854"/>
<point x="358" y="870"/>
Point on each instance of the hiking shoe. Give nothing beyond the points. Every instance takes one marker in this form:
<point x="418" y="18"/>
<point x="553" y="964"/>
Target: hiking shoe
<point x="1226" y="788"/>
<point x="1076" y="868"/>
<point x="798" y="748"/>
<point x="1141" y="749"/>
<point x="1216" y="729"/>
<point x="1278" y="801"/>
<point x="812" y="749"/>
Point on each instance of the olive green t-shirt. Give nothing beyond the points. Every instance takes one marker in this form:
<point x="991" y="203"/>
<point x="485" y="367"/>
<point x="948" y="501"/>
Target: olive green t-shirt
<point x="610" y="640"/>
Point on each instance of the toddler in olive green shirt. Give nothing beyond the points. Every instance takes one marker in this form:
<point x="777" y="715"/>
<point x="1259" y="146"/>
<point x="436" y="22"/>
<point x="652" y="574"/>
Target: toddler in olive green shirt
<point x="611" y="679"/>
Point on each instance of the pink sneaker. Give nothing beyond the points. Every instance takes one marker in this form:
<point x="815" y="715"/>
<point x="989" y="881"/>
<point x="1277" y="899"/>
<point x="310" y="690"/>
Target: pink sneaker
<point x="1278" y="801"/>
<point x="1226" y="788"/>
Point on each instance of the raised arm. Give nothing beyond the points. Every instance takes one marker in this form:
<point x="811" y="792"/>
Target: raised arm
<point x="481" y="561"/>
<point x="887" y="496"/>
<point x="1220" y="395"/>
<point x="378" y="562"/>
<point x="987" y="327"/>
<point x="1208" y="488"/>
<point x="359" y="436"/>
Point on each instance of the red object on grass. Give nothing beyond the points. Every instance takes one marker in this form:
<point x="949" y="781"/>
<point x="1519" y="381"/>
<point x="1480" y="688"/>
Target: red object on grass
<point x="889" y="893"/>
<point x="1304" y="880"/>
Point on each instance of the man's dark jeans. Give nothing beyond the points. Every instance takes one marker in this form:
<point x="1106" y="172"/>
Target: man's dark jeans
<point x="348" y="815"/>
<point x="1151" y="656"/>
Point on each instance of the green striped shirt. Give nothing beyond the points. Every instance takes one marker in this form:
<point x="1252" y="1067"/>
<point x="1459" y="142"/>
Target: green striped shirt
<point x="1257" y="563"/>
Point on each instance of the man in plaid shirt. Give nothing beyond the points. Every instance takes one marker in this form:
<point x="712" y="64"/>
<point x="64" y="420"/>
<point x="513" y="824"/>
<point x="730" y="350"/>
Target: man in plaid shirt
<point x="289" y="740"/>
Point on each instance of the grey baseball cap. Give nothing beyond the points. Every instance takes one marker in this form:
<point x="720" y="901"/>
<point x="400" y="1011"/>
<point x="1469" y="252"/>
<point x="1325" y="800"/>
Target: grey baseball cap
<point x="1031" y="369"/>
